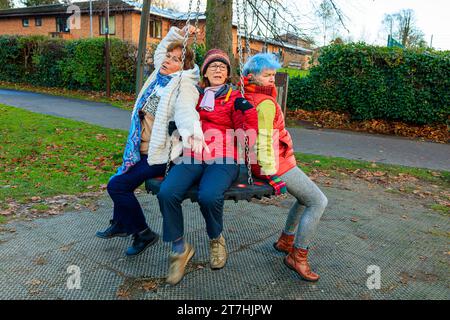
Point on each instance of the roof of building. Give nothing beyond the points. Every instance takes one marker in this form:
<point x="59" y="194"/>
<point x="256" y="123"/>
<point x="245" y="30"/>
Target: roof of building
<point x="280" y="43"/>
<point x="128" y="5"/>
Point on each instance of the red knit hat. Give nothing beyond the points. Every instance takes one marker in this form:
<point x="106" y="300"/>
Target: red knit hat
<point x="216" y="55"/>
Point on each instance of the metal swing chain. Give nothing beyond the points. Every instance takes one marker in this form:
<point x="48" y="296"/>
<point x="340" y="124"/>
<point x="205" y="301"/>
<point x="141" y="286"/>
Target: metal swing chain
<point x="247" y="159"/>
<point x="247" y="37"/>
<point x="242" y="89"/>
<point x="183" y="58"/>
<point x="197" y="11"/>
<point x="241" y="58"/>
<point x="168" y="160"/>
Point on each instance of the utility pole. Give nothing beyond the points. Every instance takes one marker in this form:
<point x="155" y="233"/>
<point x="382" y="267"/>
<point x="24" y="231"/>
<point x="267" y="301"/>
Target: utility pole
<point x="108" y="82"/>
<point x="391" y="27"/>
<point x="431" y="42"/>
<point x="145" y="14"/>
<point x="90" y="17"/>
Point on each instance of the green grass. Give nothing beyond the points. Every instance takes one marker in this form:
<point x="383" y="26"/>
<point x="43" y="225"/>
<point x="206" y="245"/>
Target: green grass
<point x="441" y="209"/>
<point x="42" y="155"/>
<point x="295" y="72"/>
<point x="333" y="164"/>
<point x="3" y="219"/>
<point x="40" y="207"/>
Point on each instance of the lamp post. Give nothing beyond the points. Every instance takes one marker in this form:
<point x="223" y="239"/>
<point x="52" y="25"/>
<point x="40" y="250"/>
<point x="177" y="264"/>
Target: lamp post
<point x="108" y="82"/>
<point x="90" y="17"/>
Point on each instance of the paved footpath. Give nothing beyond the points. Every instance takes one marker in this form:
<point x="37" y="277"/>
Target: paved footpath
<point x="345" y="144"/>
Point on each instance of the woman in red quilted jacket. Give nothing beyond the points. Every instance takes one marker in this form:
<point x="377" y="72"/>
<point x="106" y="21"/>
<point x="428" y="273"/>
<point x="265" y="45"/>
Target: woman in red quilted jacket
<point x="221" y="110"/>
<point x="276" y="163"/>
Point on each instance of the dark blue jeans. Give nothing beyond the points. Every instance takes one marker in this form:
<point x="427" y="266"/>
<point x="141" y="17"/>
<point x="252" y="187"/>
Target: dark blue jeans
<point x="213" y="179"/>
<point x="127" y="210"/>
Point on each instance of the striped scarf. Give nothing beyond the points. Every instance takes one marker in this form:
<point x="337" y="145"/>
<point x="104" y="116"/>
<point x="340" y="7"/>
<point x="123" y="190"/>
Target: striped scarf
<point x="132" y="155"/>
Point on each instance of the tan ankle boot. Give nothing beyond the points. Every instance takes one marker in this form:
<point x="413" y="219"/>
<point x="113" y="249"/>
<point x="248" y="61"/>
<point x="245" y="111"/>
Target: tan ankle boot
<point x="178" y="264"/>
<point x="297" y="260"/>
<point x="217" y="253"/>
<point x="285" y="243"/>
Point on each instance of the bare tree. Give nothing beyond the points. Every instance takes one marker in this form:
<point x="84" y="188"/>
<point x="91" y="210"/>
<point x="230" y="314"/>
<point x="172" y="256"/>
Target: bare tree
<point x="326" y="13"/>
<point x="6" y="4"/>
<point x="284" y="19"/>
<point x="164" y="4"/>
<point x="403" y="26"/>
<point x="32" y="3"/>
<point x="266" y="18"/>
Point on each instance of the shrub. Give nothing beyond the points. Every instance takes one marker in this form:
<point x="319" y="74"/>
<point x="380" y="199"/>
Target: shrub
<point x="75" y="64"/>
<point x="371" y="82"/>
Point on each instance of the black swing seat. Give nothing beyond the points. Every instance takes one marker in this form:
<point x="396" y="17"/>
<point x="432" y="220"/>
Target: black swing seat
<point x="239" y="190"/>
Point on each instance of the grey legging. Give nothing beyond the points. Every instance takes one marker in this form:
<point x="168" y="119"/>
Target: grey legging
<point x="310" y="197"/>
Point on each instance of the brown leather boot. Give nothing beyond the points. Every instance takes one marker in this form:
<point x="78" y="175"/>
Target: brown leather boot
<point x="285" y="243"/>
<point x="297" y="260"/>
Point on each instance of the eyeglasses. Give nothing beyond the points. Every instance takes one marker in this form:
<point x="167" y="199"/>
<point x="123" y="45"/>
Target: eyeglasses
<point x="174" y="58"/>
<point x="221" y="67"/>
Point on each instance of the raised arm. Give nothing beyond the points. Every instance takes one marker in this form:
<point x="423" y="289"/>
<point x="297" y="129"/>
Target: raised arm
<point x="175" y="34"/>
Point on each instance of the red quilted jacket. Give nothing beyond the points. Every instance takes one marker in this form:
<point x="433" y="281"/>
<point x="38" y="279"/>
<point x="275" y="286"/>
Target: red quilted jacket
<point x="282" y="141"/>
<point x="220" y="124"/>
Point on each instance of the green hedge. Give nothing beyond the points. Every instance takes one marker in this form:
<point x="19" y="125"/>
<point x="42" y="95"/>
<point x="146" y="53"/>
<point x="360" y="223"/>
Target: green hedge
<point x="73" y="64"/>
<point x="370" y="82"/>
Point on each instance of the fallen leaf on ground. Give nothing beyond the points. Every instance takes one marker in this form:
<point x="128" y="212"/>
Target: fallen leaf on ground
<point x="435" y="174"/>
<point x="149" y="285"/>
<point x="34" y="282"/>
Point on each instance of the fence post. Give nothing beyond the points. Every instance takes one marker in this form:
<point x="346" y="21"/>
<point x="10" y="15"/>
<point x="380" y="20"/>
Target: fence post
<point x="282" y="84"/>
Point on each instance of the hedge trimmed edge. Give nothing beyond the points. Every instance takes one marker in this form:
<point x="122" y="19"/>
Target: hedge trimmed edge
<point x="369" y="82"/>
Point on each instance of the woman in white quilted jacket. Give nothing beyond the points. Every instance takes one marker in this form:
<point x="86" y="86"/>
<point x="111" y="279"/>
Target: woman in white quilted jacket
<point x="147" y="149"/>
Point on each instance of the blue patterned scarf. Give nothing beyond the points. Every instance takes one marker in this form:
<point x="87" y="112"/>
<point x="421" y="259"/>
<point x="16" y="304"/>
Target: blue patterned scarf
<point x="132" y="155"/>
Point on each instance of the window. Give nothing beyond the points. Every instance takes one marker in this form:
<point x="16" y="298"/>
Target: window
<point x="156" y="29"/>
<point x="111" y="23"/>
<point x="61" y="24"/>
<point x="25" y="22"/>
<point x="38" y="22"/>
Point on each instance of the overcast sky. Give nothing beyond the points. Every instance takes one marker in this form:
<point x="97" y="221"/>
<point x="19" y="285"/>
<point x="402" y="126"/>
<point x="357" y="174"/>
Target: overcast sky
<point x="433" y="18"/>
<point x="365" y="16"/>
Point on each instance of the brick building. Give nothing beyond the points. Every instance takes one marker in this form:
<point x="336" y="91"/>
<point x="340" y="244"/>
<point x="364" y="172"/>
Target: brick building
<point x="124" y="23"/>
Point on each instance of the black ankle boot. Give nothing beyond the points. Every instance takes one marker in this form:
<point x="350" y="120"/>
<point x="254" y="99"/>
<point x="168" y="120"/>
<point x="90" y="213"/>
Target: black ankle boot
<point x="114" y="230"/>
<point x="142" y="241"/>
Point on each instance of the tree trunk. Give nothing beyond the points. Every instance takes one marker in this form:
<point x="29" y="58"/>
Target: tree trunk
<point x="406" y="31"/>
<point x="219" y="15"/>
